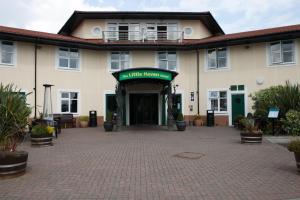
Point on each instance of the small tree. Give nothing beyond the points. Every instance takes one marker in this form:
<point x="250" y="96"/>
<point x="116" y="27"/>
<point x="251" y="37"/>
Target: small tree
<point x="14" y="113"/>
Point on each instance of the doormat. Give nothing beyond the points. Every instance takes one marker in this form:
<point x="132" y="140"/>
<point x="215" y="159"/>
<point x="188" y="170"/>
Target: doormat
<point x="189" y="155"/>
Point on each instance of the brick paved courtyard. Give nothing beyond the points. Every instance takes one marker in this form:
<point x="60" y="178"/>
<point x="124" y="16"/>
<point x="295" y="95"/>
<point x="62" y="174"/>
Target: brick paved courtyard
<point x="136" y="164"/>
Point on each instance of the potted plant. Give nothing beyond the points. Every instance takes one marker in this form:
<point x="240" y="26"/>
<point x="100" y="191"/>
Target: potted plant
<point x="108" y="124"/>
<point x="84" y="121"/>
<point x="180" y="123"/>
<point x="198" y="121"/>
<point x="294" y="146"/>
<point x="42" y="135"/>
<point x="14" y="113"/>
<point x="237" y="122"/>
<point x="250" y="133"/>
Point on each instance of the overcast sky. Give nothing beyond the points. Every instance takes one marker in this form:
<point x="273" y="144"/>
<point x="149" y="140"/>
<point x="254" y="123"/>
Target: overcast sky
<point x="232" y="15"/>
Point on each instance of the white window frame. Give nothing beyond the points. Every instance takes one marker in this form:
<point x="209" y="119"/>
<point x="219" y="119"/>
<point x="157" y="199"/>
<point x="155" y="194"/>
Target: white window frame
<point x="216" y="68"/>
<point x="59" y="99"/>
<point x="167" y="68"/>
<point x="269" y="52"/>
<point x="58" y="67"/>
<point x="119" y="60"/>
<point x="227" y="100"/>
<point x="14" y="52"/>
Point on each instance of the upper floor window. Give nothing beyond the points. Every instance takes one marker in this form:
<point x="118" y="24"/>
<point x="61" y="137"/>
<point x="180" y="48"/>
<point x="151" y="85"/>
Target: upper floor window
<point x="167" y="60"/>
<point x="217" y="58"/>
<point x="7" y="52"/>
<point x="282" y="52"/>
<point x="69" y="102"/>
<point x="68" y="58"/>
<point x="217" y="100"/>
<point x="119" y="60"/>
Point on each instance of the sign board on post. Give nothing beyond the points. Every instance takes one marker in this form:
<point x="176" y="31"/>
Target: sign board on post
<point x="273" y="113"/>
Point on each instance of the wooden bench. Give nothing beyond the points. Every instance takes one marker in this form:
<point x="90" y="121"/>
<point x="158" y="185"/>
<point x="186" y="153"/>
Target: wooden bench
<point x="65" y="120"/>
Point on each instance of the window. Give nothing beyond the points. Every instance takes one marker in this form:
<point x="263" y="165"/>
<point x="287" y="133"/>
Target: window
<point x="218" y="101"/>
<point x="167" y="60"/>
<point x="69" y="102"/>
<point x="68" y="58"/>
<point x="7" y="52"/>
<point x="282" y="52"/>
<point x="119" y="60"/>
<point x="217" y="58"/>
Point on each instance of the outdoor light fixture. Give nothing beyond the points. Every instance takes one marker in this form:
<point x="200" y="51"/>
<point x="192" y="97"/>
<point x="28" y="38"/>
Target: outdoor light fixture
<point x="192" y="96"/>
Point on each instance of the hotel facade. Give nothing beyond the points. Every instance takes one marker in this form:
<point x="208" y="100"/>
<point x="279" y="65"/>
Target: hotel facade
<point x="147" y="56"/>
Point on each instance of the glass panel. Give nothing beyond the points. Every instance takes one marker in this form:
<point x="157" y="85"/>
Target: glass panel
<point x="162" y="55"/>
<point x="214" y="94"/>
<point x="212" y="58"/>
<point x="115" y="56"/>
<point x="124" y="65"/>
<point x="275" y="57"/>
<point x="7" y="47"/>
<point x="214" y="104"/>
<point x="223" y="94"/>
<point x="223" y="104"/>
<point x="172" y="65"/>
<point x="233" y="88"/>
<point x="74" y="95"/>
<point x="64" y="95"/>
<point x="63" y="62"/>
<point x="63" y="52"/>
<point x="124" y="56"/>
<point x="74" y="63"/>
<point x="172" y="56"/>
<point x="222" y="52"/>
<point x="114" y="65"/>
<point x="162" y="64"/>
<point x="287" y="45"/>
<point x="275" y="46"/>
<point x="73" y="106"/>
<point x="65" y="106"/>
<point x="288" y="57"/>
<point x="241" y="87"/>
<point x="7" y="58"/>
<point x="221" y="62"/>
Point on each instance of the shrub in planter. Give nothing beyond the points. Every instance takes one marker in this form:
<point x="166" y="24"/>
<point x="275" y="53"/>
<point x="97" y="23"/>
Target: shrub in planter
<point x="198" y="121"/>
<point x="42" y="135"/>
<point x="180" y="123"/>
<point x="237" y="122"/>
<point x="108" y="124"/>
<point x="294" y="146"/>
<point x="14" y="113"/>
<point x="291" y="123"/>
<point x="84" y="121"/>
<point x="250" y="133"/>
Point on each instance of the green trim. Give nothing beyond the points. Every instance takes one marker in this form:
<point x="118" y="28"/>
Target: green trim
<point x="145" y="74"/>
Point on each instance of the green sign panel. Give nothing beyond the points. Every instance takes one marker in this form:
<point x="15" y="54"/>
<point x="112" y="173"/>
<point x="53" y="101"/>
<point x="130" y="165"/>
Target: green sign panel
<point x="151" y="74"/>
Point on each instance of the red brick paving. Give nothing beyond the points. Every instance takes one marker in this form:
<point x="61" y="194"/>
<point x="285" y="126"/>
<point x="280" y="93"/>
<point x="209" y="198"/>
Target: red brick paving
<point x="137" y="164"/>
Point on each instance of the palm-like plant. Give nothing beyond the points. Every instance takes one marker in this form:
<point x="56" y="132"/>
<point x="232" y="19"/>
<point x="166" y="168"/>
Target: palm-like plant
<point x="14" y="112"/>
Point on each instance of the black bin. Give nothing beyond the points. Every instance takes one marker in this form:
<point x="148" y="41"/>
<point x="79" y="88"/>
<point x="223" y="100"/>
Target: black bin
<point x="93" y="118"/>
<point x="210" y="115"/>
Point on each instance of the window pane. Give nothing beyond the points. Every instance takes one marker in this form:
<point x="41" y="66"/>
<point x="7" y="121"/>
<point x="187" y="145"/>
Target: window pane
<point x="74" y="95"/>
<point x="7" y="58"/>
<point x="115" y="56"/>
<point x="65" y="106"/>
<point x="172" y="56"/>
<point x="221" y="62"/>
<point x="64" y="95"/>
<point x="63" y="52"/>
<point x="114" y="65"/>
<point x="172" y="65"/>
<point x="125" y="56"/>
<point x="223" y="104"/>
<point x="7" y="47"/>
<point x="124" y="65"/>
<point x="288" y="57"/>
<point x="162" y="56"/>
<point x="74" y="106"/>
<point x="223" y="94"/>
<point x="212" y="58"/>
<point x="214" y="104"/>
<point x="275" y="57"/>
<point x="162" y="64"/>
<point x="213" y="94"/>
<point x="63" y="62"/>
<point x="74" y="63"/>
<point x="222" y="52"/>
<point x="275" y="46"/>
<point x="287" y="46"/>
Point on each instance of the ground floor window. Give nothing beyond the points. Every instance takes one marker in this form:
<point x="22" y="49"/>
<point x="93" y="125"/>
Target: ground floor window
<point x="69" y="102"/>
<point x="217" y="101"/>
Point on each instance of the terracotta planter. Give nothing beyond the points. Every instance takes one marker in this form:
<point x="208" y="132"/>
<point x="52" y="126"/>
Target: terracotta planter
<point x="181" y="125"/>
<point x="247" y="137"/>
<point x="84" y="124"/>
<point x="198" y="122"/>
<point x="12" y="163"/>
<point x="41" y="141"/>
<point x="297" y="158"/>
<point x="108" y="126"/>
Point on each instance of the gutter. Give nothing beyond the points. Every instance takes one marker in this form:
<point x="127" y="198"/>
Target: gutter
<point x="198" y="70"/>
<point x="35" y="78"/>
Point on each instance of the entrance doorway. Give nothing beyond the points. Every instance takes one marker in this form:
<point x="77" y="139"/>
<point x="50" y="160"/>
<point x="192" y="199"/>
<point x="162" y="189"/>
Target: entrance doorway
<point x="237" y="105"/>
<point x="143" y="109"/>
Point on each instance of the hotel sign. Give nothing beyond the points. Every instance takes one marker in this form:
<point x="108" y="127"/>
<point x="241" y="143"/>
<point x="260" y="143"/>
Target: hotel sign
<point x="145" y="74"/>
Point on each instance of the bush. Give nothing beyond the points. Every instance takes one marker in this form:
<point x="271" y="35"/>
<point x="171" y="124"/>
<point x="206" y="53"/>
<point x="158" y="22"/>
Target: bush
<point x="84" y="118"/>
<point x="291" y="123"/>
<point x="294" y="146"/>
<point x="248" y="125"/>
<point x="109" y="116"/>
<point x="14" y="112"/>
<point x="179" y="117"/>
<point x="42" y="131"/>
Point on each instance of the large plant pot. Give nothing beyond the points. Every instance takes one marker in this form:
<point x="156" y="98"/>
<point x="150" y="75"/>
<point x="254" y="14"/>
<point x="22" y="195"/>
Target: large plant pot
<point x="12" y="163"/>
<point x="108" y="126"/>
<point x="84" y="124"/>
<point x="251" y="137"/>
<point x="181" y="125"/>
<point x="297" y="157"/>
<point x="41" y="141"/>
